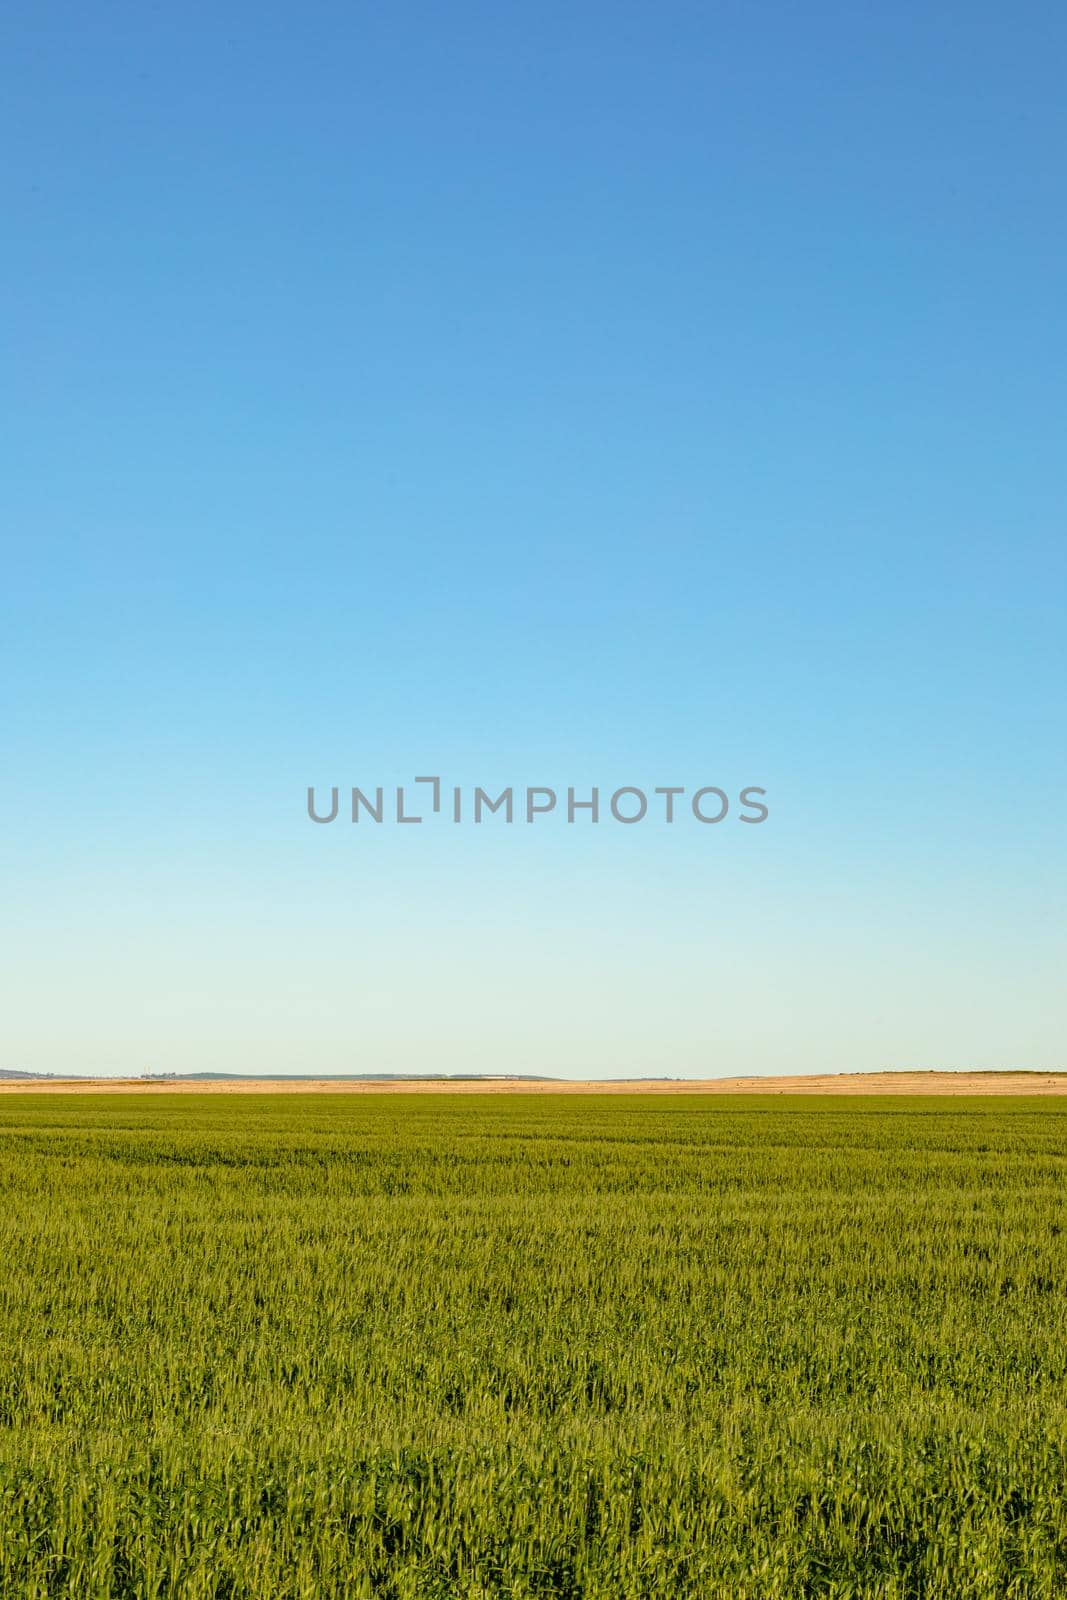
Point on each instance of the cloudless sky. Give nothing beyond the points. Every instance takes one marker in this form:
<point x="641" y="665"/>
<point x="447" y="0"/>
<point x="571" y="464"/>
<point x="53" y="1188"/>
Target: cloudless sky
<point x="557" y="394"/>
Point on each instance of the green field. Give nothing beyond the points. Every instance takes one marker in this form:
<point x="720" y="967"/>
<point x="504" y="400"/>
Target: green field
<point x="450" y="1347"/>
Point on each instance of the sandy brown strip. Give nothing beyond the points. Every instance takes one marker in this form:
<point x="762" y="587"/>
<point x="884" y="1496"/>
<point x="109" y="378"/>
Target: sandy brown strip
<point x="849" y="1083"/>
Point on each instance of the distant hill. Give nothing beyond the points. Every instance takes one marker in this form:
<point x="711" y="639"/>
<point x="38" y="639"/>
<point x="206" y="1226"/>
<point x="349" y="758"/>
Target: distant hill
<point x="296" y="1077"/>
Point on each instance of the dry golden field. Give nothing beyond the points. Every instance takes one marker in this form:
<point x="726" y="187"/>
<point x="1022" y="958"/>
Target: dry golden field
<point x="850" y="1083"/>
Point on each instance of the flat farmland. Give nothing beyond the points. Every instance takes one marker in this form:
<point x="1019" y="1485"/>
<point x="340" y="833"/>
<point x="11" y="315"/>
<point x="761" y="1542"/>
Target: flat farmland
<point x="838" y="1083"/>
<point x="477" y="1345"/>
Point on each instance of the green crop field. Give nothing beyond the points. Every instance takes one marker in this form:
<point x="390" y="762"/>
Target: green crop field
<point x="449" y="1347"/>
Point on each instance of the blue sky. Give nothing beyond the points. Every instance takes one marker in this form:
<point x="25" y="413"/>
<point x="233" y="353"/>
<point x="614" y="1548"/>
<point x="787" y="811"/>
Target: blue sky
<point x="557" y="395"/>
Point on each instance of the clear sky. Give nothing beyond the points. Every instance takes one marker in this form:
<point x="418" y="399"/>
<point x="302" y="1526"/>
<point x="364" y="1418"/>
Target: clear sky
<point x="556" y="394"/>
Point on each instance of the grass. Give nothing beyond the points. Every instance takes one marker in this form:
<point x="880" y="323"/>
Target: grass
<point x="506" y="1346"/>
